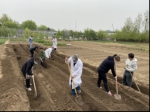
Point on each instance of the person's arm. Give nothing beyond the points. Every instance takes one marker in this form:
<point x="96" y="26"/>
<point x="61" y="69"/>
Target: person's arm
<point x="28" y="70"/>
<point x="113" y="70"/>
<point x="68" y="60"/>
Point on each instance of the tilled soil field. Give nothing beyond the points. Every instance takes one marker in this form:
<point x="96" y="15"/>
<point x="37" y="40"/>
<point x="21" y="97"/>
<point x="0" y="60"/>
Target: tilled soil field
<point x="53" y="90"/>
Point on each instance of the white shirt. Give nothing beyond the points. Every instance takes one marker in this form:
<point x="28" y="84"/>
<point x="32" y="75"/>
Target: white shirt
<point x="54" y="43"/>
<point x="76" y="71"/>
<point x="131" y="65"/>
<point x="48" y="52"/>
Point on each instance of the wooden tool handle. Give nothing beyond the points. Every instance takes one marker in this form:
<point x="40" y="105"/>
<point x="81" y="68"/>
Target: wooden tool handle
<point x="72" y="80"/>
<point x="135" y="82"/>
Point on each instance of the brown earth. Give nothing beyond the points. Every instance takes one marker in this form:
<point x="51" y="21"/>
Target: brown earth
<point x="52" y="85"/>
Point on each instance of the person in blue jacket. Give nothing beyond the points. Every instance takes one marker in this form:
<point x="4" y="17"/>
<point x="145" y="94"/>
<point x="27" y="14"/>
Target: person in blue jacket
<point x="31" y="41"/>
<point x="105" y="66"/>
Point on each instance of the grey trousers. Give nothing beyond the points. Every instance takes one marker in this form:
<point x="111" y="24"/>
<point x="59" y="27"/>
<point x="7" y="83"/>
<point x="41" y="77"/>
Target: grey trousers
<point x="127" y="78"/>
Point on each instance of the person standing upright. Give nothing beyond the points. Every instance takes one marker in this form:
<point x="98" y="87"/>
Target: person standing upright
<point x="31" y="41"/>
<point x="54" y="40"/>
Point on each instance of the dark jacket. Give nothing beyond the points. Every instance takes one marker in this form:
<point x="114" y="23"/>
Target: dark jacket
<point x="27" y="66"/>
<point x="33" y="49"/>
<point x="106" y="65"/>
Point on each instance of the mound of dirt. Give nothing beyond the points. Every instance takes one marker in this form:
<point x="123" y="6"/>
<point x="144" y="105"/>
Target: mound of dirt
<point x="53" y="89"/>
<point x="13" y="95"/>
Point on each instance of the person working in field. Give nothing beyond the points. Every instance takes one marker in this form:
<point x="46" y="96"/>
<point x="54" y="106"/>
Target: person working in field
<point x="105" y="66"/>
<point x="27" y="72"/>
<point x="48" y="53"/>
<point x="76" y="70"/>
<point x="54" y="40"/>
<point x="42" y="57"/>
<point x="32" y="51"/>
<point x="30" y="41"/>
<point x="131" y="66"/>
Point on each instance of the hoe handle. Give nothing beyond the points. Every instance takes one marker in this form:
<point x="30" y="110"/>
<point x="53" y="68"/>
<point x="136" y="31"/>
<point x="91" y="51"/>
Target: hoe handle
<point x="116" y="81"/>
<point x="116" y="86"/>
<point x="72" y="80"/>
<point x="135" y="82"/>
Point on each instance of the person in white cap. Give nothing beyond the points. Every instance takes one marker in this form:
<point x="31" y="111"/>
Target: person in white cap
<point x="76" y="70"/>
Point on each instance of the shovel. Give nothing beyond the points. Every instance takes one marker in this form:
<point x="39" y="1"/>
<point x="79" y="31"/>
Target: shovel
<point x="35" y="94"/>
<point x="117" y="96"/>
<point x="78" y="98"/>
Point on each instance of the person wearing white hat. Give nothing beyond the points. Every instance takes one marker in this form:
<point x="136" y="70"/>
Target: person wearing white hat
<point x="76" y="70"/>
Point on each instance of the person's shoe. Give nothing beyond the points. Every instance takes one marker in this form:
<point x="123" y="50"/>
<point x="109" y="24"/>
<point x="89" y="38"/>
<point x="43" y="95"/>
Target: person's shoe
<point x="109" y="93"/>
<point x="100" y="87"/>
<point x="30" y="84"/>
<point x="29" y="89"/>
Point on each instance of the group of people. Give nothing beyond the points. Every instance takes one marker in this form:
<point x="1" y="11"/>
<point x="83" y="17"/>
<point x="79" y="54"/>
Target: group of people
<point x="77" y="67"/>
<point x="29" y="64"/>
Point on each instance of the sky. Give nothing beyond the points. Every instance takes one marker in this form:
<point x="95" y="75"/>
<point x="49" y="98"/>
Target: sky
<point x="75" y="15"/>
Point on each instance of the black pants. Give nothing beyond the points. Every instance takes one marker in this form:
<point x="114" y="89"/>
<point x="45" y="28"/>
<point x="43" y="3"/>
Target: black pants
<point x="27" y="79"/>
<point x="102" y="76"/>
<point x="127" y="78"/>
<point x="32" y="53"/>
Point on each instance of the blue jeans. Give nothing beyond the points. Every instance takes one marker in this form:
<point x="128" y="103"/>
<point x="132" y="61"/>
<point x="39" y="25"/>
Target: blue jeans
<point x="30" y="45"/>
<point x="73" y="90"/>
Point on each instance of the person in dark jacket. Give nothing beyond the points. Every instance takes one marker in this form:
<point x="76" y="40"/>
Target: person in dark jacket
<point x="32" y="51"/>
<point x="105" y="66"/>
<point x="27" y="72"/>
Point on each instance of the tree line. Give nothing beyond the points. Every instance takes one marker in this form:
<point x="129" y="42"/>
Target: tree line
<point x="137" y="30"/>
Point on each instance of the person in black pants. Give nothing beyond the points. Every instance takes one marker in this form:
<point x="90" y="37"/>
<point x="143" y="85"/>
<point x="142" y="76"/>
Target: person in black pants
<point x="105" y="66"/>
<point x="27" y="72"/>
<point x="32" y="51"/>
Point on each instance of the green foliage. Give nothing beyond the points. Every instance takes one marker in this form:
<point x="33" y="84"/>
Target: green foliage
<point x="49" y="43"/>
<point x="42" y="27"/>
<point x="58" y="34"/>
<point x="29" y="24"/>
<point x="101" y="34"/>
<point x="89" y="34"/>
<point x="11" y="24"/>
<point x="27" y="33"/>
<point x="132" y="31"/>
<point x="2" y="40"/>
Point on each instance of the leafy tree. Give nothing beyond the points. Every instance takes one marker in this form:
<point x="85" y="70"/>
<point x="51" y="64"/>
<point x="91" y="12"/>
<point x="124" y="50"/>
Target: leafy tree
<point x="7" y="22"/>
<point x="29" y="24"/>
<point x="11" y="24"/>
<point x="27" y="33"/>
<point x="58" y="34"/>
<point x="101" y="34"/>
<point x="5" y="18"/>
<point x="48" y="29"/>
<point x="42" y="27"/>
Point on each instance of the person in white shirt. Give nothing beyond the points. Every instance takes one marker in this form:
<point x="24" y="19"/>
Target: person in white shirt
<point x="48" y="52"/>
<point x="131" y="66"/>
<point x="54" y="40"/>
<point x="76" y="70"/>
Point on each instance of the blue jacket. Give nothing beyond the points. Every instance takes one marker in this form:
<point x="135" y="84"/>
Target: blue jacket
<point x="106" y="65"/>
<point x="30" y="39"/>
